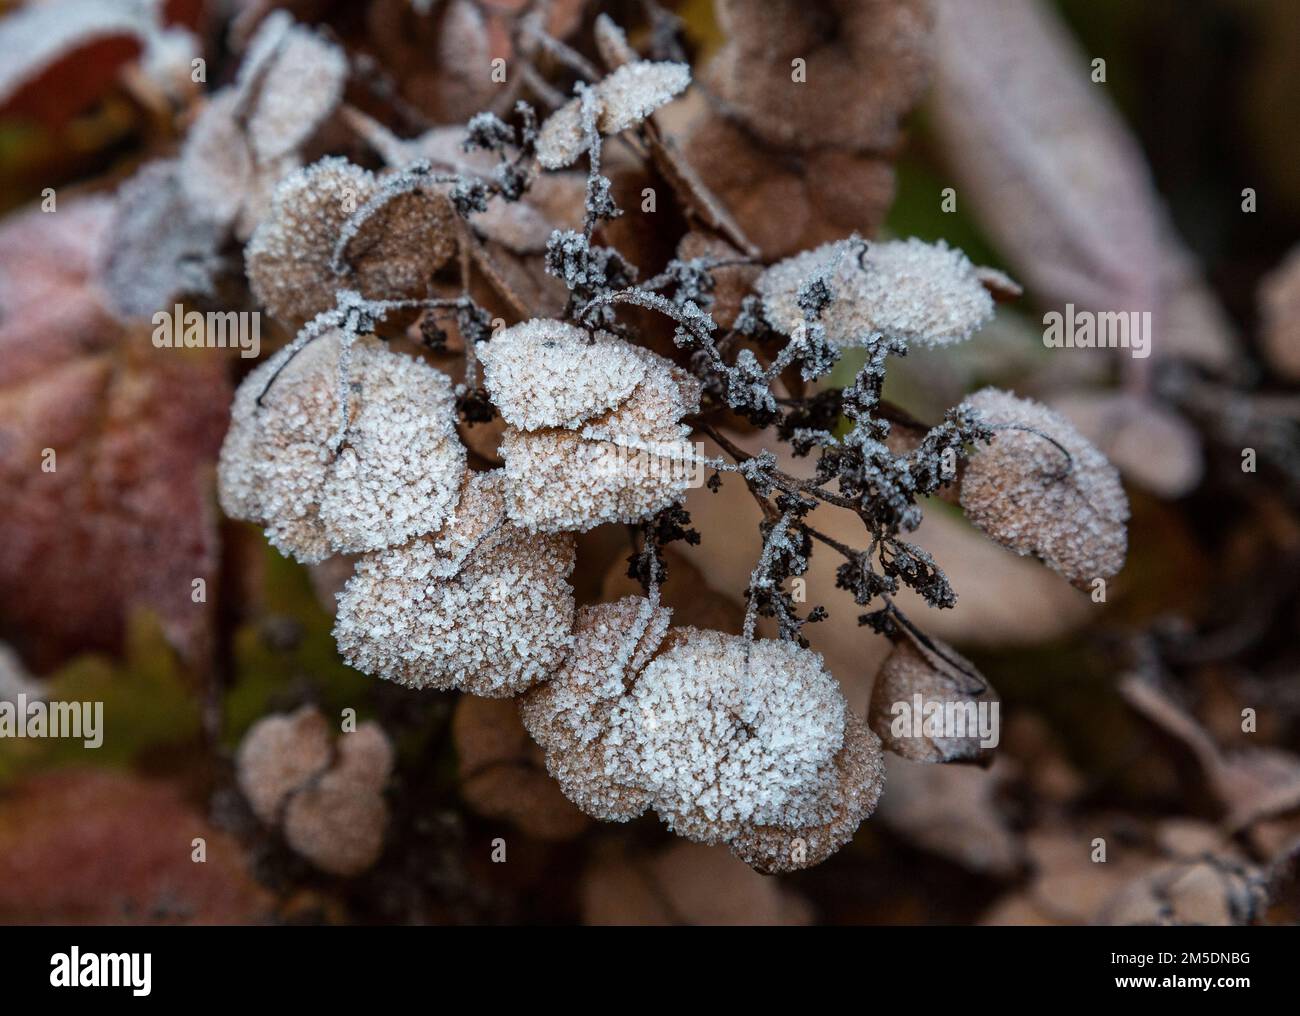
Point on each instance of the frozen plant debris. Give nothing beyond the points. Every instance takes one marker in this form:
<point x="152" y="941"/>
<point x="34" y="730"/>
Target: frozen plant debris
<point x="621" y="100"/>
<point x="728" y="740"/>
<point x="159" y="247"/>
<point x="907" y="289"/>
<point x="1041" y="488"/>
<point x="390" y="242"/>
<point x="477" y="605"/>
<point x="570" y="715"/>
<point x="290" y="83"/>
<point x="396" y="475"/>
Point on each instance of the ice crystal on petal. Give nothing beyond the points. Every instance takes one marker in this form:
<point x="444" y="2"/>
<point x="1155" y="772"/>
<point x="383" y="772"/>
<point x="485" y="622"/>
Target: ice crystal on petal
<point x="396" y="476"/>
<point x="478" y="605"/>
<point x="906" y="289"/>
<point x="569" y="715"/>
<point x="545" y="373"/>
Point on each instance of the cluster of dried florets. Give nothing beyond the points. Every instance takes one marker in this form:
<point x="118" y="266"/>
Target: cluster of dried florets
<point x="325" y="796"/>
<point x="340" y="445"/>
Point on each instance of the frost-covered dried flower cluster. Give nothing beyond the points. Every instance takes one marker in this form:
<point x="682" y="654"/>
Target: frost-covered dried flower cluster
<point x="607" y="371"/>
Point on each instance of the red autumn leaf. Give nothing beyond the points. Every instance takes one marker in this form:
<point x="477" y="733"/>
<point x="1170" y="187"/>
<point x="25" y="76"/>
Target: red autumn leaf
<point x="91" y="847"/>
<point x="123" y="520"/>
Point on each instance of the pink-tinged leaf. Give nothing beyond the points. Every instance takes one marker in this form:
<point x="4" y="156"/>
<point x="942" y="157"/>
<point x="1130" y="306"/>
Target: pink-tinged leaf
<point x="1045" y="160"/>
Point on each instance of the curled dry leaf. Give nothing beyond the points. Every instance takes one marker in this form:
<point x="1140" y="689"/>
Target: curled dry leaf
<point x="873" y="56"/>
<point x="916" y="678"/>
<point x="1046" y="162"/>
<point x="502" y="773"/>
<point x="94" y="847"/>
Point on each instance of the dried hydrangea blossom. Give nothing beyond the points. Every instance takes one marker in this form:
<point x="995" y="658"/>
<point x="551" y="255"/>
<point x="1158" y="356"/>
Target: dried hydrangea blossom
<point x="338" y="821"/>
<point x="1040" y="488"/>
<point x="622" y="100"/>
<point x="595" y="434"/>
<point x="290" y="82"/>
<point x="159" y="248"/>
<point x="569" y="715"/>
<point x="325" y="795"/>
<point x="727" y="733"/>
<point x="278" y="755"/>
<point x="477" y="605"/>
<point x="397" y="474"/>
<point x="941" y="676"/>
<point x="727" y="740"/>
<point x="908" y="289"/>
<point x="390" y="254"/>
<point x="545" y="373"/>
<point x="849" y="792"/>
<point x="871" y="56"/>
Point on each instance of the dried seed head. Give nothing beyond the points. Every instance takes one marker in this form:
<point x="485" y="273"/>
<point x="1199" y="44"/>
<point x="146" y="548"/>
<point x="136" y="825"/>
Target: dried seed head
<point x="924" y="293"/>
<point x="1040" y="488"/>
<point x="397" y="474"/>
<point x="606" y="444"/>
<point x="623" y="99"/>
<point x="869" y="58"/>
<point x="477" y="605"/>
<point x="569" y="715"/>
<point x="278" y="755"/>
<point x="942" y="678"/>
<point x="545" y="373"/>
<point x="389" y="253"/>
